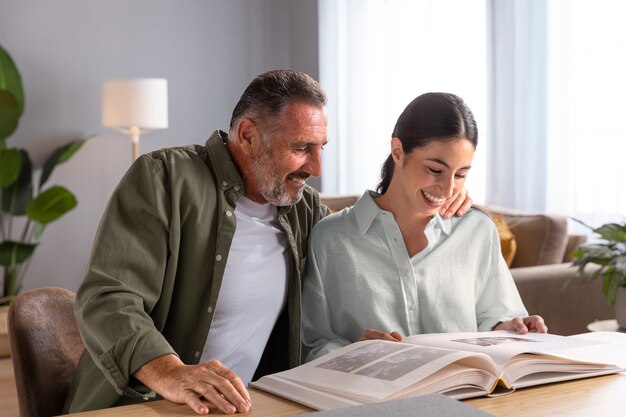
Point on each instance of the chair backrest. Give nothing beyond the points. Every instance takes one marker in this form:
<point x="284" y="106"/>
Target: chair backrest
<point x="45" y="349"/>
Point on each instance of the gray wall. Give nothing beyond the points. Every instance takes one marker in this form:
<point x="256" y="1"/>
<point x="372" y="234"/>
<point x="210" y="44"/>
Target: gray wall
<point x="207" y="49"/>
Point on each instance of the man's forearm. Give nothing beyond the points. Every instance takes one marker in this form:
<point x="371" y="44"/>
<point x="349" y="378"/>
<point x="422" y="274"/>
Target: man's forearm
<point x="151" y="373"/>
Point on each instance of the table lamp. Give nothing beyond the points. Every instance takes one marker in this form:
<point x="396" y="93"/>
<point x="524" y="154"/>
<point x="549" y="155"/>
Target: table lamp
<point x="135" y="106"/>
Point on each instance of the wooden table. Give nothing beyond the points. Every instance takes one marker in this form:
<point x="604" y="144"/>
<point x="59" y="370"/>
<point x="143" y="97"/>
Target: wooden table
<point x="8" y="394"/>
<point x="601" y="396"/>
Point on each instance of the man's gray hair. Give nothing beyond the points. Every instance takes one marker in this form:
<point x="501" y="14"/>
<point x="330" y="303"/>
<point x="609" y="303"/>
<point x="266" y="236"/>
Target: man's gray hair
<point x="269" y="93"/>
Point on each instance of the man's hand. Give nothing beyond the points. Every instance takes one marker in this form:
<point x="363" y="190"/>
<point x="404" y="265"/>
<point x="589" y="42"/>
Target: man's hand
<point x="200" y="386"/>
<point x="371" y="334"/>
<point x="457" y="205"/>
<point x="532" y="324"/>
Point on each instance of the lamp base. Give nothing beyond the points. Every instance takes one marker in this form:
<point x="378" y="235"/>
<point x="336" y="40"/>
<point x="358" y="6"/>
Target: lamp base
<point x="134" y="138"/>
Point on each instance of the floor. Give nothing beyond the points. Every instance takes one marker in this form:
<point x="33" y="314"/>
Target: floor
<point x="8" y="395"/>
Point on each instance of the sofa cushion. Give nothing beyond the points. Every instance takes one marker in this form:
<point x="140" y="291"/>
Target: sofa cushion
<point x="573" y="242"/>
<point x="338" y="202"/>
<point x="541" y="238"/>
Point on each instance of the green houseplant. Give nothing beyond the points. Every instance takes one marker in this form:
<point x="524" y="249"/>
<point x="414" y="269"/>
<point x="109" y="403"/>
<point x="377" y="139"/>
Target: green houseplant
<point x="26" y="205"/>
<point x="610" y="256"/>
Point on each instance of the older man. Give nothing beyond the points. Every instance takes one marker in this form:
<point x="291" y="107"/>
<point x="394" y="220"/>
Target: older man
<point x="195" y="277"/>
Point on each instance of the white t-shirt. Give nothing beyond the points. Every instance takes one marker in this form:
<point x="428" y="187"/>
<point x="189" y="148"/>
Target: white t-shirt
<point x="253" y="291"/>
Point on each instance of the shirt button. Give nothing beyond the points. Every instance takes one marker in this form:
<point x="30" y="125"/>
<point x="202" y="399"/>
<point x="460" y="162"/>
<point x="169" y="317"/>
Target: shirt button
<point x="225" y="183"/>
<point x="218" y="258"/>
<point x="145" y="397"/>
<point x="229" y="213"/>
<point x="210" y="309"/>
<point x="411" y="307"/>
<point x="197" y="354"/>
<point x="236" y="188"/>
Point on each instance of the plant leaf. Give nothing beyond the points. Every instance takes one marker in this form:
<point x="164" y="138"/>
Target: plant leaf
<point x="17" y="197"/>
<point x="13" y="253"/>
<point x="60" y="155"/>
<point x="9" y="114"/>
<point x="619" y="263"/>
<point x="12" y="282"/>
<point x="610" y="256"/>
<point x="611" y="286"/>
<point x="582" y="223"/>
<point x="612" y="232"/>
<point x="11" y="95"/>
<point x="51" y="204"/>
<point x="596" y="250"/>
<point x="10" y="162"/>
<point x="10" y="79"/>
<point x="598" y="272"/>
<point x="606" y="281"/>
<point x="577" y="253"/>
<point x="38" y="230"/>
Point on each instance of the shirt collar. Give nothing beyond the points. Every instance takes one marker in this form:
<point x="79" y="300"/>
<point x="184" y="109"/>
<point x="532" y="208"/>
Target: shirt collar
<point x="365" y="210"/>
<point x="226" y="172"/>
<point x="444" y="224"/>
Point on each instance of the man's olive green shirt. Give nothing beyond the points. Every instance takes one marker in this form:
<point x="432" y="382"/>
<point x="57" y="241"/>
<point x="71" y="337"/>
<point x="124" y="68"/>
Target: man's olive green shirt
<point x="157" y="265"/>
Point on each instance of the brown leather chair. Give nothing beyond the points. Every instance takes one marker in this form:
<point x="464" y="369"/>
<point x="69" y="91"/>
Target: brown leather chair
<point x="45" y="347"/>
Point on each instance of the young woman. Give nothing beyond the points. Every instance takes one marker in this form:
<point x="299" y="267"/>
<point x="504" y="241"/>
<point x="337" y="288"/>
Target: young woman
<point x="392" y="266"/>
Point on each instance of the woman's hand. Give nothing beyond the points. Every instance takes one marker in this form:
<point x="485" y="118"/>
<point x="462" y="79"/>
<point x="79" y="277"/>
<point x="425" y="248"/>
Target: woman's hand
<point x="373" y="334"/>
<point x="532" y="324"/>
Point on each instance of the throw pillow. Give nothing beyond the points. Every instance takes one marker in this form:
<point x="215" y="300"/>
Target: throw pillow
<point x="508" y="245"/>
<point x="541" y="238"/>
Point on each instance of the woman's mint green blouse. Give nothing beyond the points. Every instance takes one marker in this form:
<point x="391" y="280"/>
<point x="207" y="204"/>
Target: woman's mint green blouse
<point x="359" y="276"/>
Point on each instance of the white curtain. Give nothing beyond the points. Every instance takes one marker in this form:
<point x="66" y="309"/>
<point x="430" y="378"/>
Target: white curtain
<point x="586" y="175"/>
<point x="516" y="161"/>
<point x="375" y="57"/>
<point x="551" y="74"/>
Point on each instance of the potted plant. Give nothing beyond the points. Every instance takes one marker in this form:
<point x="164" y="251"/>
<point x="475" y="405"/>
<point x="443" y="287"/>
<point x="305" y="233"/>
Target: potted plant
<point x="610" y="255"/>
<point x="26" y="204"/>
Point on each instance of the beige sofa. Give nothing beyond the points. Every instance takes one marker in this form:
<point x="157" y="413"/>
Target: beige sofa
<point x="541" y="267"/>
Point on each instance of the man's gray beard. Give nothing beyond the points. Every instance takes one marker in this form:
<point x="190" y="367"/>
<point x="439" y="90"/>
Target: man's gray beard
<point x="272" y="188"/>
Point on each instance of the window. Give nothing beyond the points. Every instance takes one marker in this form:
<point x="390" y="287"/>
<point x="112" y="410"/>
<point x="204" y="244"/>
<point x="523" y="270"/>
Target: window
<point x="375" y="57"/>
<point x="587" y="109"/>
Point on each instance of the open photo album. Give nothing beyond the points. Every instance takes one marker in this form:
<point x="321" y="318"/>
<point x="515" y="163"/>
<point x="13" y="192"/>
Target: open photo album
<point x="458" y="365"/>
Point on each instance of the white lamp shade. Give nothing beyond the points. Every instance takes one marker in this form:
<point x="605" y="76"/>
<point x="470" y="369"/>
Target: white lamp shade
<point x="135" y="103"/>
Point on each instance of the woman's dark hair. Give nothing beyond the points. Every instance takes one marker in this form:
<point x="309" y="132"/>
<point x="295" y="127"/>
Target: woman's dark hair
<point x="269" y="93"/>
<point x="428" y="118"/>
